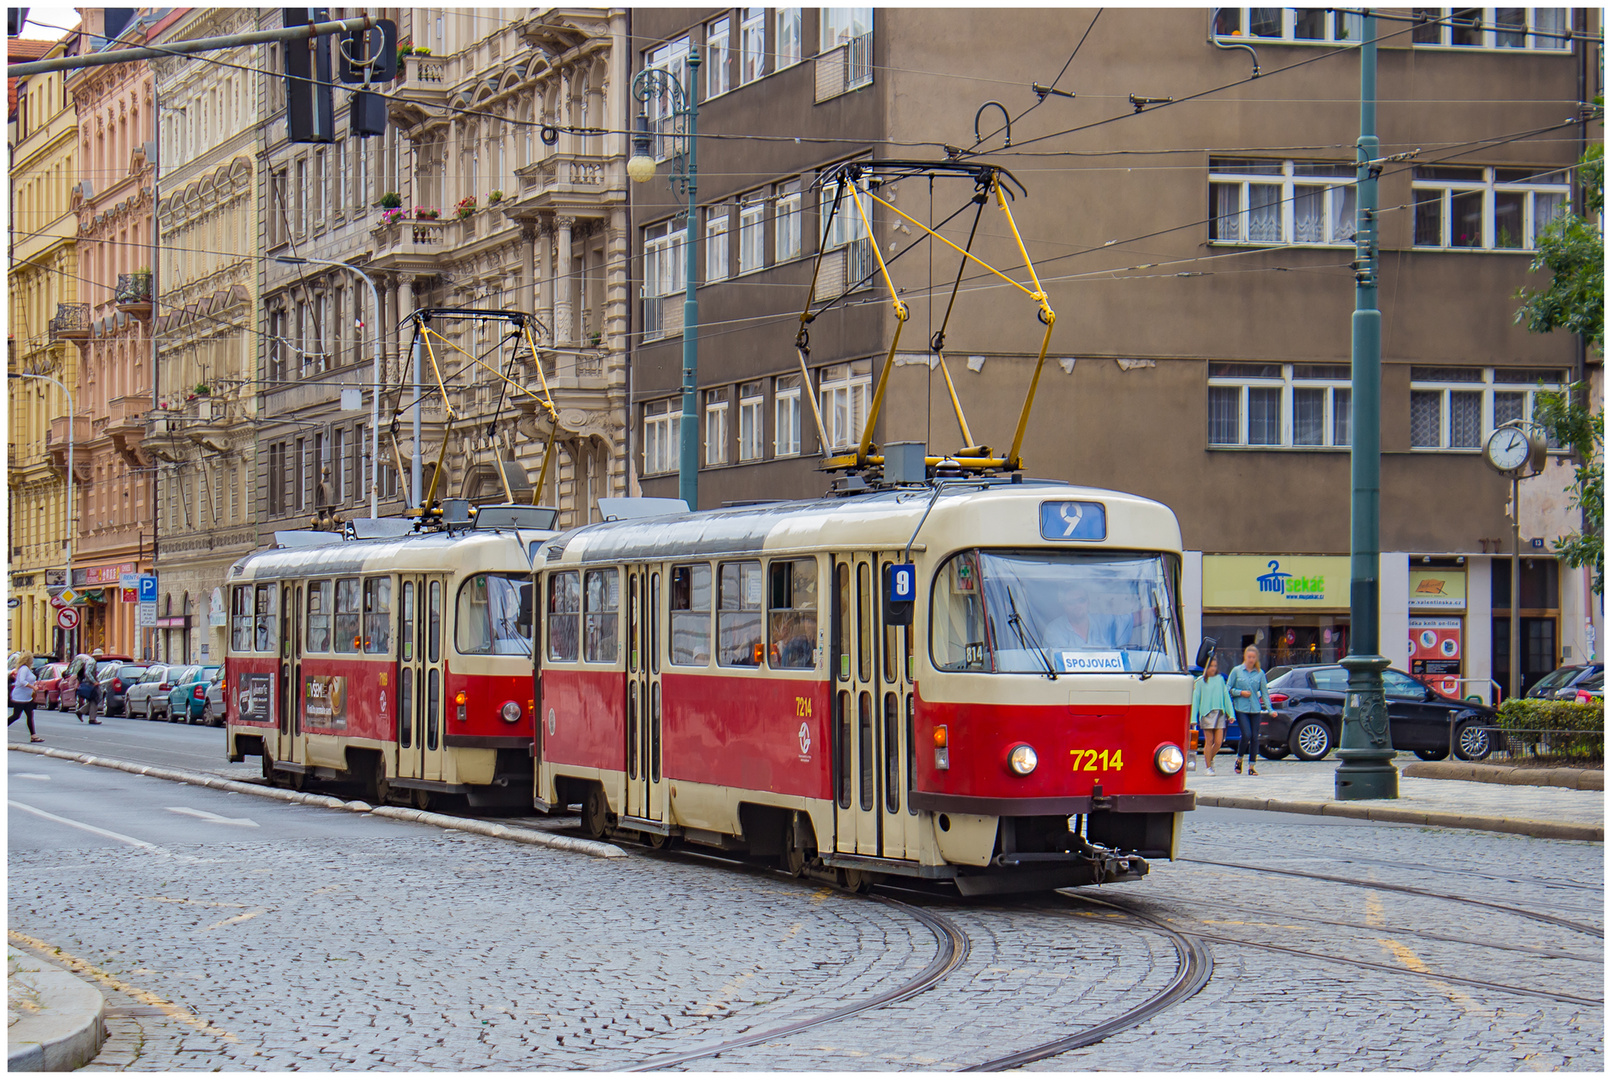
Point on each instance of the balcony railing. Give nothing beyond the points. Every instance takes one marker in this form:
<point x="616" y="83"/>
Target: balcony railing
<point x="133" y="288"/>
<point x="72" y="323"/>
<point x="845" y="67"/>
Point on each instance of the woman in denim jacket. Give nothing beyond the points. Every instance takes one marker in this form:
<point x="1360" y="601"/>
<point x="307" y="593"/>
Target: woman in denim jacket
<point x="1248" y="689"/>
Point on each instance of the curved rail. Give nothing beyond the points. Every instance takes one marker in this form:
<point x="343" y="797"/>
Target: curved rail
<point x="1194" y="968"/>
<point x="1537" y="916"/>
<point x="951" y="950"/>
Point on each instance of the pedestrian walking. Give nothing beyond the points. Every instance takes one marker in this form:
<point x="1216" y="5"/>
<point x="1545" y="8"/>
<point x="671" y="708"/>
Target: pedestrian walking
<point x="84" y="667"/>
<point x="1211" y="711"/>
<point x="1248" y="689"/>
<point x="22" y="694"/>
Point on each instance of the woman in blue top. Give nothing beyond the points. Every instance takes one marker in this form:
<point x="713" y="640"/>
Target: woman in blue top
<point x="1248" y="689"/>
<point x="1211" y="711"/>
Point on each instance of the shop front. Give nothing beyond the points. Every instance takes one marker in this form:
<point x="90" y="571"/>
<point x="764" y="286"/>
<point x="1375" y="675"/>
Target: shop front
<point x="1436" y="645"/>
<point x="105" y="621"/>
<point x="1294" y="608"/>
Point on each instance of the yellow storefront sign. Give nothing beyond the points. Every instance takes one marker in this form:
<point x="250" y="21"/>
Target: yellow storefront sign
<point x="1443" y="589"/>
<point x="1293" y="582"/>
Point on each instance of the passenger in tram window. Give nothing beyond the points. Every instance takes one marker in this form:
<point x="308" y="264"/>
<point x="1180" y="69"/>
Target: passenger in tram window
<point x="1081" y="627"/>
<point x="794" y="639"/>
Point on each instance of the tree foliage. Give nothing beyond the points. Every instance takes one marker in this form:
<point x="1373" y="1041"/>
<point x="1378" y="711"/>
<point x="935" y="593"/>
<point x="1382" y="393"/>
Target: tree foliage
<point x="1567" y="417"/>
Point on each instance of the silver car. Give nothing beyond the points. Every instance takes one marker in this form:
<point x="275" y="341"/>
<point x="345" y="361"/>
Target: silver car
<point x="137" y="699"/>
<point x="215" y="702"/>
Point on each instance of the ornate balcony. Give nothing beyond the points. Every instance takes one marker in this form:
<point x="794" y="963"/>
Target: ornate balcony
<point x="574" y="183"/>
<point x="133" y="294"/>
<point x="72" y="323"/>
<point x="126" y="425"/>
<point x="69" y="430"/>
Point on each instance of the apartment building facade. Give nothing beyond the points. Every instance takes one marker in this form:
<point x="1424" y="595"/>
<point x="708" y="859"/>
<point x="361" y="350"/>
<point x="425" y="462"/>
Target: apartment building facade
<point x="1197" y="249"/>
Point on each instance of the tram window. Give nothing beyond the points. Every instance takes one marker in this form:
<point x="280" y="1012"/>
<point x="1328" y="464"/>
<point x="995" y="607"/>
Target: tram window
<point x="738" y="614"/>
<point x="268" y="617"/>
<point x="842" y="622"/>
<point x="407" y="617"/>
<point x="433" y="701"/>
<point x="864" y="622"/>
<point x="494" y="615"/>
<point x="792" y="613"/>
<point x="634" y="622"/>
<point x="892" y="754"/>
<point x="892" y="643"/>
<point x="405" y="703"/>
<point x="842" y="721"/>
<point x="565" y="607"/>
<point x="601" y="599"/>
<point x="632" y="734"/>
<point x="378" y="615"/>
<point x="318" y="616"/>
<point x="654" y="734"/>
<point x="433" y="624"/>
<point x="654" y="623"/>
<point x="241" y="618"/>
<point x="349" y="615"/>
<point x="912" y="757"/>
<point x="691" y="614"/>
<point x="864" y="740"/>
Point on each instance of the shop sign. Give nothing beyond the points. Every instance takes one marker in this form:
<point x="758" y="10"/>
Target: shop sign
<point x="1435" y="653"/>
<point x="1444" y="589"/>
<point x="55" y="579"/>
<point x="102" y="575"/>
<point x="1293" y="582"/>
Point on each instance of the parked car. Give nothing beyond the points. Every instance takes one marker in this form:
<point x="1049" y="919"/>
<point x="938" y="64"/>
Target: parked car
<point x="157" y="707"/>
<point x="1309" y="716"/>
<point x="215" y="701"/>
<point x="1563" y="683"/>
<point x="138" y="697"/>
<point x="1589" y="692"/>
<point x="187" y="701"/>
<point x="115" y="680"/>
<point x="48" y="686"/>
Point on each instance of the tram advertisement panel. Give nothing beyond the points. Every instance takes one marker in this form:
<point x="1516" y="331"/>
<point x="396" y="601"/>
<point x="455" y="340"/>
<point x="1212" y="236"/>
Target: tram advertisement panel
<point x="255" y="697"/>
<point x="324" y="701"/>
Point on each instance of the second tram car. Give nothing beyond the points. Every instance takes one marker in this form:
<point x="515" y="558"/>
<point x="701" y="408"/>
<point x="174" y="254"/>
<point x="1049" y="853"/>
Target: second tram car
<point x="978" y="681"/>
<point x="403" y="663"/>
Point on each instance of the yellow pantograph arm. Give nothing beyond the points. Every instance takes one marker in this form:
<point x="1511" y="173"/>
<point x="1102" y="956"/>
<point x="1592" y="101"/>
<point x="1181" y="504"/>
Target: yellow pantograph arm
<point x="960" y="251"/>
<point x="496" y="373"/>
<point x="432" y="355"/>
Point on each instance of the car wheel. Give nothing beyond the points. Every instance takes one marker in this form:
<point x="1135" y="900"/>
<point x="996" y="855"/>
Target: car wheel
<point x="1471" y="741"/>
<point x="1310" y="739"/>
<point x="1433" y="755"/>
<point x="1273" y="751"/>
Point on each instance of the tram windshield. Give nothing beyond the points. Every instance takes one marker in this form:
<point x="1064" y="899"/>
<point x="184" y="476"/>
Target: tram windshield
<point x="495" y="615"/>
<point x="1057" y="613"/>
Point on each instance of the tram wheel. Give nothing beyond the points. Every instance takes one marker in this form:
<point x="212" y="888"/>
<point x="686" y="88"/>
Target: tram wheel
<point x="380" y="787"/>
<point x="268" y="768"/>
<point x="798" y="851"/>
<point x="422" y="799"/>
<point x="858" y="881"/>
<point x="595" y="812"/>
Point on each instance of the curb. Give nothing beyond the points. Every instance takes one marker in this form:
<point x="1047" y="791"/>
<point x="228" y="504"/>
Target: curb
<point x="1546" y="830"/>
<point x="1576" y="779"/>
<point x="67" y="1027"/>
<point x="330" y="802"/>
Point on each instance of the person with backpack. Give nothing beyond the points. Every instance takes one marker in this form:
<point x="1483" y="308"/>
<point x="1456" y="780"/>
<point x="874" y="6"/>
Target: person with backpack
<point x="84" y="669"/>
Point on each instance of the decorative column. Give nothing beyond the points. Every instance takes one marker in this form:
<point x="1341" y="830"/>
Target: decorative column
<point x="528" y="266"/>
<point x="545" y="280"/>
<point x="562" y="282"/>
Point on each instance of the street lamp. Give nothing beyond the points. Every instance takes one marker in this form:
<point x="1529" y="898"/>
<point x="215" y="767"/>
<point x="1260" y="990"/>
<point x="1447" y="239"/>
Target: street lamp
<point x="375" y="369"/>
<point x="67" y="576"/>
<point x="663" y="86"/>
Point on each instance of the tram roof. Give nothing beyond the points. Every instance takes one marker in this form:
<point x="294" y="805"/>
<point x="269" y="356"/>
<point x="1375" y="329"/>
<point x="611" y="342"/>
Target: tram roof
<point x="508" y="550"/>
<point x="1001" y="514"/>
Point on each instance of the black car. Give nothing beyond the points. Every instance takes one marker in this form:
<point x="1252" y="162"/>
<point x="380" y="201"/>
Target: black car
<point x="1309" y="716"/>
<point x="115" y="680"/>
<point x="1563" y="683"/>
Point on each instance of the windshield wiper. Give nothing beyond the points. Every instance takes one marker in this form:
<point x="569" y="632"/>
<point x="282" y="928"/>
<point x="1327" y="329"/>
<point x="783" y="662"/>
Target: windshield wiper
<point x="1158" y="636"/>
<point x="1016" y="621"/>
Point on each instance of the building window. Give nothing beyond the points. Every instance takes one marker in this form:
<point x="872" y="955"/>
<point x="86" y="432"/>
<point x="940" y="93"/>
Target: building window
<point x="718" y="51"/>
<point x="671" y="58"/>
<point x="751" y="401"/>
<point x="786" y="38"/>
<point x="1281" y="202"/>
<point x="716" y="426"/>
<point x="752" y="234"/>
<point x="1297" y="25"/>
<point x="1492" y="28"/>
<point x="1294" y="405"/>
<point x="338" y="465"/>
<point x="663" y="280"/>
<point x="845" y="392"/>
<point x="753" y="41"/>
<point x="1496" y="209"/>
<point x="786" y="223"/>
<point x="662" y="429"/>
<point x="1455" y="408"/>
<point x="786" y="416"/>
<point x="716" y="243"/>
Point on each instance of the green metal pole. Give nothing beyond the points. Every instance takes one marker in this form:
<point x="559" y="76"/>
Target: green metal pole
<point x="1365" y="771"/>
<point x="688" y="467"/>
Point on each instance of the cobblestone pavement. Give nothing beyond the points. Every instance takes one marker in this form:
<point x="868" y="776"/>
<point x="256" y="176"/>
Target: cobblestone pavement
<point x="407" y="947"/>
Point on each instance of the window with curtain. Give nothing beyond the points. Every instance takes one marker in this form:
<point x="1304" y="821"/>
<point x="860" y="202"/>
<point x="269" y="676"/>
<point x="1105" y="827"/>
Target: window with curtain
<point x="1280" y="202"/>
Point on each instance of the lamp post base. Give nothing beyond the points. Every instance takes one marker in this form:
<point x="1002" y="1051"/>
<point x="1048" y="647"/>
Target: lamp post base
<point x="1366" y="770"/>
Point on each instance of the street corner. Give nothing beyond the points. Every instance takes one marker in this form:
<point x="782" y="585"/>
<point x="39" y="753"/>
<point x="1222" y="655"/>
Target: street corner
<point x="55" y="1021"/>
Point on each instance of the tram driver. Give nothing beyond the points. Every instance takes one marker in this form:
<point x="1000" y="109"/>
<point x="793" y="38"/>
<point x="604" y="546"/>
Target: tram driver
<point x="1080" y="626"/>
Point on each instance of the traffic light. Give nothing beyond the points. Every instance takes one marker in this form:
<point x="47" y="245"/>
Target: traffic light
<point x="369" y="55"/>
<point x="310" y="107"/>
<point x="368" y="116"/>
<point x="16" y="19"/>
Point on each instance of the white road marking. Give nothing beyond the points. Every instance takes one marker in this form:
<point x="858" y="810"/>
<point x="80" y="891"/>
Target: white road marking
<point x="31" y="776"/>
<point x="216" y="819"/>
<point x="108" y="833"/>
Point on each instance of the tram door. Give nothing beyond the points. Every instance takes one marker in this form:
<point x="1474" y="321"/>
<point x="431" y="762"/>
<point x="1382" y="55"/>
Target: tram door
<point x="646" y="789"/>
<point x="420" y="701"/>
<point x="898" y="833"/>
<point x="856" y="704"/>
<point x="289" y="738"/>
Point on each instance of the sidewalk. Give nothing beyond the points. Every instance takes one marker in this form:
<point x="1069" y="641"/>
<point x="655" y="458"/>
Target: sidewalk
<point x="55" y="1021"/>
<point x="1307" y="787"/>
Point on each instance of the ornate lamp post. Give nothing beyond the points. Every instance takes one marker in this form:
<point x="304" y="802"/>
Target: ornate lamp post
<point x="683" y="113"/>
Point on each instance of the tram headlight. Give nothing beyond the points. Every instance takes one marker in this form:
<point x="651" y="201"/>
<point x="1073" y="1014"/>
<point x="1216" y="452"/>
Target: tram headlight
<point x="511" y="712"/>
<point x="1169" y="759"/>
<point x="1022" y="759"/>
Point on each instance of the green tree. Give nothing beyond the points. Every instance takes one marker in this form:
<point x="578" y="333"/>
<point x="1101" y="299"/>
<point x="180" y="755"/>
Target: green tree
<point x="1572" y="249"/>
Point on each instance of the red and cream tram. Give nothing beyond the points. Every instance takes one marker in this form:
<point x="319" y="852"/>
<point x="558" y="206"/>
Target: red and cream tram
<point x="403" y="663"/>
<point x="977" y="680"/>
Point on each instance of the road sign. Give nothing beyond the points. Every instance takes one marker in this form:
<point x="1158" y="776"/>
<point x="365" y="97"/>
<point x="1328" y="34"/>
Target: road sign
<point x="129" y="581"/>
<point x="67" y="618"/>
<point x="148" y="589"/>
<point x="147" y="615"/>
<point x="14" y="602"/>
<point x="66" y="596"/>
